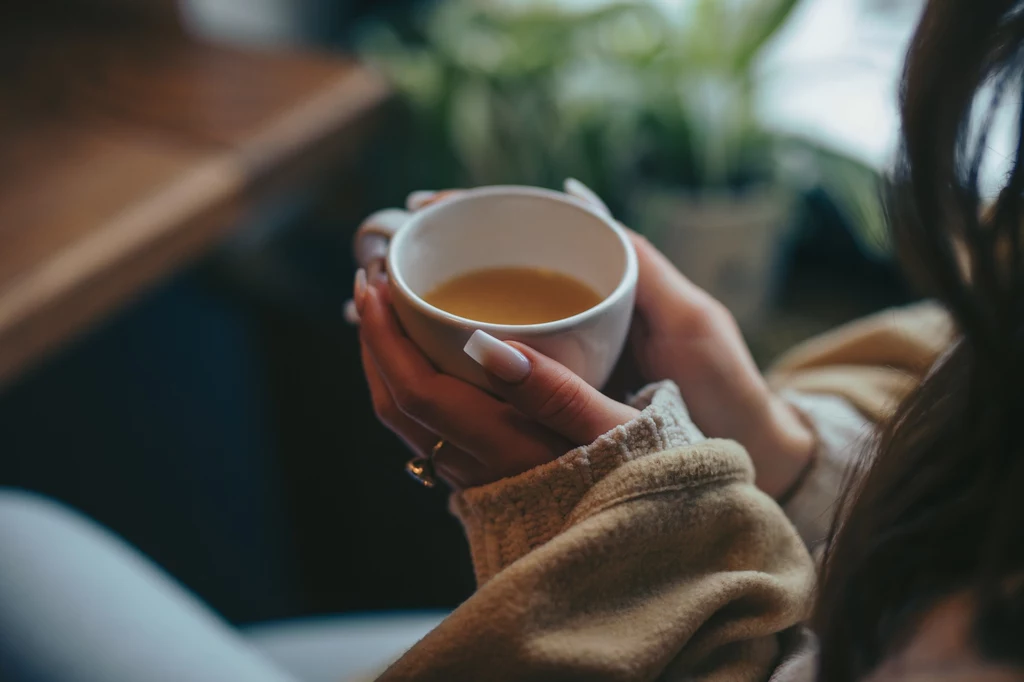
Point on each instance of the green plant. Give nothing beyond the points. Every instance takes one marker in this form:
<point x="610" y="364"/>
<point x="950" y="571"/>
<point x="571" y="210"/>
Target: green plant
<point x="618" y="94"/>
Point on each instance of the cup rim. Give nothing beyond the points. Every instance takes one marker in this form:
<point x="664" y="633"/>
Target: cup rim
<point x="625" y="285"/>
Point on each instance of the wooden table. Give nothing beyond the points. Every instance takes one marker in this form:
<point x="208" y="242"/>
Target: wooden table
<point x="124" y="154"/>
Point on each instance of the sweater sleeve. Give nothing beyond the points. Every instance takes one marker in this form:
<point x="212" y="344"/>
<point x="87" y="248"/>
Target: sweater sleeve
<point x="843" y="434"/>
<point x="648" y="555"/>
<point x="871" y="363"/>
<point x="845" y="383"/>
<point x="507" y="519"/>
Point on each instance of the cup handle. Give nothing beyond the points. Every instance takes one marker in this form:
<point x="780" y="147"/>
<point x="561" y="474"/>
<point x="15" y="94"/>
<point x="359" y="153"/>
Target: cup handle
<point x="374" y="236"/>
<point x="575" y="188"/>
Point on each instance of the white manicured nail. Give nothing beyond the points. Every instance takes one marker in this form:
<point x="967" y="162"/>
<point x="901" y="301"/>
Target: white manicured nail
<point x="359" y="288"/>
<point x="497" y="357"/>
<point x="376" y="273"/>
<point x="351" y="314"/>
<point x="577" y="189"/>
<point x="417" y="200"/>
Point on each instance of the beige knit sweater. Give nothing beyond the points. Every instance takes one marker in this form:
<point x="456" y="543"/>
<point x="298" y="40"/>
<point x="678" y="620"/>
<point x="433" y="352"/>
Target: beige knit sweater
<point x="650" y="554"/>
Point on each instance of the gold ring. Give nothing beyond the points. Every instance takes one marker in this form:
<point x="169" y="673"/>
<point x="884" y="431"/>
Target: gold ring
<point x="422" y="468"/>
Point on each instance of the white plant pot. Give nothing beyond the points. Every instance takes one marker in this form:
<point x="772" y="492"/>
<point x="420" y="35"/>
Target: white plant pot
<point x="729" y="244"/>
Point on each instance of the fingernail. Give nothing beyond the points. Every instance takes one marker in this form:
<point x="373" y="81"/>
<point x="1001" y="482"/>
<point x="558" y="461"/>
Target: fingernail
<point x="359" y="289"/>
<point x="376" y="273"/>
<point x="577" y="189"/>
<point x="417" y="200"/>
<point x="351" y="314"/>
<point x="497" y="357"/>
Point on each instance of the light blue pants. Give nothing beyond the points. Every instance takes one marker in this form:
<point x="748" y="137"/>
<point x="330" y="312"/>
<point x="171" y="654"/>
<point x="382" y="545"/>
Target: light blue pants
<point x="77" y="604"/>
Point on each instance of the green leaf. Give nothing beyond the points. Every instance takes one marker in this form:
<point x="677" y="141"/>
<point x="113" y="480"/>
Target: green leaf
<point x="768" y="19"/>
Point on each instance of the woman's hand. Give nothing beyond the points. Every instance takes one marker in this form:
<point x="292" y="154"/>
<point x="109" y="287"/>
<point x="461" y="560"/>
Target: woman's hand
<point x="681" y="333"/>
<point x="545" y="412"/>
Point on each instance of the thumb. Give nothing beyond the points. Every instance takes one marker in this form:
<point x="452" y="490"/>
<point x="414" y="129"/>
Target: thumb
<point x="658" y="279"/>
<point x="547" y="391"/>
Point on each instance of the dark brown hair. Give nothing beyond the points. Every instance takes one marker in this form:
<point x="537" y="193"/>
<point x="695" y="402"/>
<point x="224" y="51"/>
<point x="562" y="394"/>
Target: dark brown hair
<point x="938" y="506"/>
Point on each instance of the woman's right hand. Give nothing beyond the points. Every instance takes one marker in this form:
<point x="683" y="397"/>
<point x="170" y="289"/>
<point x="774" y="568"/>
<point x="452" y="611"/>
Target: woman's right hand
<point x="681" y="333"/>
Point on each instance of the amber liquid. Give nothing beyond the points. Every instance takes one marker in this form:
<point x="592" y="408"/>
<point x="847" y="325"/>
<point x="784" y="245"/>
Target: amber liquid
<point x="513" y="296"/>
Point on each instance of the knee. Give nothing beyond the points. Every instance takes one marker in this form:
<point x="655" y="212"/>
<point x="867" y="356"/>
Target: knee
<point x="25" y="515"/>
<point x="18" y="502"/>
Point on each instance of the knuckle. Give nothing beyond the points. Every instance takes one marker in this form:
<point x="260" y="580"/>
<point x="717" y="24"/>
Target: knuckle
<point x="567" y="402"/>
<point x="414" y="401"/>
<point x="385" y="409"/>
<point x="719" y="316"/>
<point x="706" y="318"/>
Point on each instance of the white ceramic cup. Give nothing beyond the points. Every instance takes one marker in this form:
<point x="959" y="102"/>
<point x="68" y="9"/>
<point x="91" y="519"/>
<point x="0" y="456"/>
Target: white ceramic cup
<point x="506" y="226"/>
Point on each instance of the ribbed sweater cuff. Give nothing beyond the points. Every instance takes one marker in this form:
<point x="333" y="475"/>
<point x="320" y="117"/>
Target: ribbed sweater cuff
<point x="506" y="519"/>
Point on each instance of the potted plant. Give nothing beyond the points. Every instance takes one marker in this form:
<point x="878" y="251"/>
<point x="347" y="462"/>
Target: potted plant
<point x="713" y="187"/>
<point x="490" y="86"/>
<point x="649" y="103"/>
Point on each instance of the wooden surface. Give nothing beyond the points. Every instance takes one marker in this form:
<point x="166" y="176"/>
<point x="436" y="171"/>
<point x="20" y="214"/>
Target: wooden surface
<point x="123" y="154"/>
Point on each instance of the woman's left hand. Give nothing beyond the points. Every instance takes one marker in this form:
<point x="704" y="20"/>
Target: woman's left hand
<point x="544" y="411"/>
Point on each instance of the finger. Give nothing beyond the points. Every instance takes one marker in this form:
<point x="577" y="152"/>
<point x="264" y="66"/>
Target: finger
<point x="423" y="198"/>
<point x="496" y="434"/>
<point x="418" y="199"/>
<point x="373" y="273"/>
<point x="377" y="271"/>
<point x="419" y="439"/>
<point x="662" y="291"/>
<point x="458" y="468"/>
<point x="400" y="361"/>
<point x="546" y="391"/>
<point x="350" y="313"/>
<point x="657" y="277"/>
